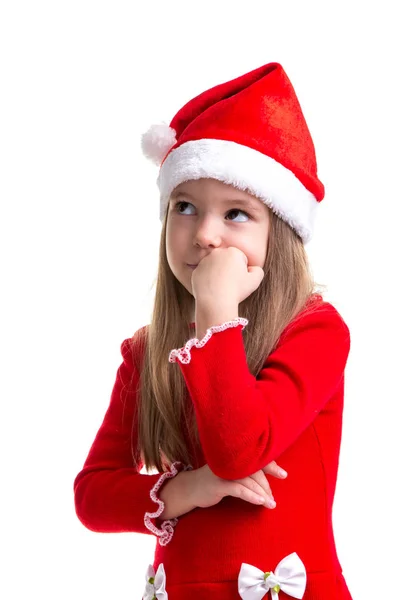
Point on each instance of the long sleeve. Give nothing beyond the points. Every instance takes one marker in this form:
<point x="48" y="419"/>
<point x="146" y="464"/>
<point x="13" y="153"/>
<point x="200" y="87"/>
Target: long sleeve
<point x="246" y="422"/>
<point x="110" y="494"/>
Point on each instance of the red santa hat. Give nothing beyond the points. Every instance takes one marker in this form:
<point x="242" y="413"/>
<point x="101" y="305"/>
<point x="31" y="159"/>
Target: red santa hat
<point x="249" y="132"/>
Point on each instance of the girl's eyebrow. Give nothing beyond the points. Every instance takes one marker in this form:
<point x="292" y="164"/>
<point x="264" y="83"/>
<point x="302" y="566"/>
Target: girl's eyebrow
<point x="251" y="204"/>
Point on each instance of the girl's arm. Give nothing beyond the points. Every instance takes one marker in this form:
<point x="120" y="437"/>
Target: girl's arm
<point x="246" y="422"/>
<point x="111" y="495"/>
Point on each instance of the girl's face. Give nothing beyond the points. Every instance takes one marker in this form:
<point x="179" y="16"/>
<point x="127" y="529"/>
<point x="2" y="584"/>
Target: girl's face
<point x="205" y="214"/>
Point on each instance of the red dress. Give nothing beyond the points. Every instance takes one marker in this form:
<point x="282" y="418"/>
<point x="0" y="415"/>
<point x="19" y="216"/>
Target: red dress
<point x="291" y="413"/>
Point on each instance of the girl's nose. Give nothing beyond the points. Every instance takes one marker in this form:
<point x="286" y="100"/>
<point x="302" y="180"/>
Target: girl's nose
<point x="207" y="235"/>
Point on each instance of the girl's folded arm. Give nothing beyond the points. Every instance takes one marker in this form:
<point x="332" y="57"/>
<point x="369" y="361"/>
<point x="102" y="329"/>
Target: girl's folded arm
<point x="246" y="422"/>
<point x="110" y="494"/>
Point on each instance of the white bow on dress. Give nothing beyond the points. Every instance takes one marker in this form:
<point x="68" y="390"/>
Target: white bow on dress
<point x="289" y="576"/>
<point x="155" y="584"/>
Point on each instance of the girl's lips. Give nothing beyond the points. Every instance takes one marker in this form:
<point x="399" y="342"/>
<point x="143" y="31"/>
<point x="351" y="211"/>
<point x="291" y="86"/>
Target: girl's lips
<point x="192" y="266"/>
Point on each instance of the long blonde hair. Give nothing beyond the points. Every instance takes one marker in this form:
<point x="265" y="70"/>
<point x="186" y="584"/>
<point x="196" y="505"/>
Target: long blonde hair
<point x="286" y="290"/>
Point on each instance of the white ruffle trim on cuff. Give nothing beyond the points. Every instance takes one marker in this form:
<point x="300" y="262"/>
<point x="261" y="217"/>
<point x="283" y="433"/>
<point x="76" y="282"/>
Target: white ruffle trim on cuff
<point x="167" y="527"/>
<point x="183" y="354"/>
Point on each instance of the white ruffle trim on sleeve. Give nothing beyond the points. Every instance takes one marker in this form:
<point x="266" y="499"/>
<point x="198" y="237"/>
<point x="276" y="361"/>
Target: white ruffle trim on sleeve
<point x="183" y="354"/>
<point x="167" y="527"/>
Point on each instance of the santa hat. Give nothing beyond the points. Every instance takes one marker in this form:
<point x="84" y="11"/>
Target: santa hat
<point x="249" y="132"/>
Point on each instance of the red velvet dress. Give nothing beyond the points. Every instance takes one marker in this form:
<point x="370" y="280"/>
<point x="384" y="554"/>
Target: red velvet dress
<point x="291" y="413"/>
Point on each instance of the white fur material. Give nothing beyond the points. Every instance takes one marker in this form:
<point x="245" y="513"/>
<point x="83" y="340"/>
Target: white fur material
<point x="245" y="169"/>
<point x="157" y="141"/>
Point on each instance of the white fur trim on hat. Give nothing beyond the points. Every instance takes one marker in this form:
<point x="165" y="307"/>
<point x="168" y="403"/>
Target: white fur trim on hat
<point x="245" y="169"/>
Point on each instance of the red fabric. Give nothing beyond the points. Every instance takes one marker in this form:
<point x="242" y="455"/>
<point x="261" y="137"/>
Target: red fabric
<point x="291" y="413"/>
<point x="110" y="495"/>
<point x="243" y="109"/>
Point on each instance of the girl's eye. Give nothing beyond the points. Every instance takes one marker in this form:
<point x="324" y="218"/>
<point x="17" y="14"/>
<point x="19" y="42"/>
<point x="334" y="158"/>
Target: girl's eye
<point x="233" y="210"/>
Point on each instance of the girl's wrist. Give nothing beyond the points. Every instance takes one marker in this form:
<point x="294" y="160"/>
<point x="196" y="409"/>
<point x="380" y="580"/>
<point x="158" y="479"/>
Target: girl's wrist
<point x="178" y="495"/>
<point x="188" y="482"/>
<point x="208" y="315"/>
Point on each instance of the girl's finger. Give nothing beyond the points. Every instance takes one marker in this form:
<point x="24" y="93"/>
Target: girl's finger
<point x="253" y="485"/>
<point x="250" y="496"/>
<point x="260" y="478"/>
<point x="273" y="469"/>
<point x="250" y="490"/>
<point x="237" y="490"/>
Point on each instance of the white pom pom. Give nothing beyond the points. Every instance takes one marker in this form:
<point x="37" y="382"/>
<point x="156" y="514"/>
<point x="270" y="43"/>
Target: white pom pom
<point x="157" y="140"/>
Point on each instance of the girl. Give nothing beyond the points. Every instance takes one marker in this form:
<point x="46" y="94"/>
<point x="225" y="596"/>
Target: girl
<point x="241" y="366"/>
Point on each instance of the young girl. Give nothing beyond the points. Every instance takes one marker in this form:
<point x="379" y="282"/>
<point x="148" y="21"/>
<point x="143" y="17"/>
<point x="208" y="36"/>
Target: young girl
<point x="241" y="366"/>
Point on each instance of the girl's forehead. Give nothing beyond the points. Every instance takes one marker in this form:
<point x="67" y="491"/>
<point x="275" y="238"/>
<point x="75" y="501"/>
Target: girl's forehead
<point x="213" y="187"/>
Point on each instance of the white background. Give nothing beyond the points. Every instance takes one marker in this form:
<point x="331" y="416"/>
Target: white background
<point x="80" y="81"/>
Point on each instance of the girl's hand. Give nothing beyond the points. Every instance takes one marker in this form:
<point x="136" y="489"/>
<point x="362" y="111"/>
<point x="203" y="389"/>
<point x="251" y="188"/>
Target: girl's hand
<point x="224" y="273"/>
<point x="209" y="489"/>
